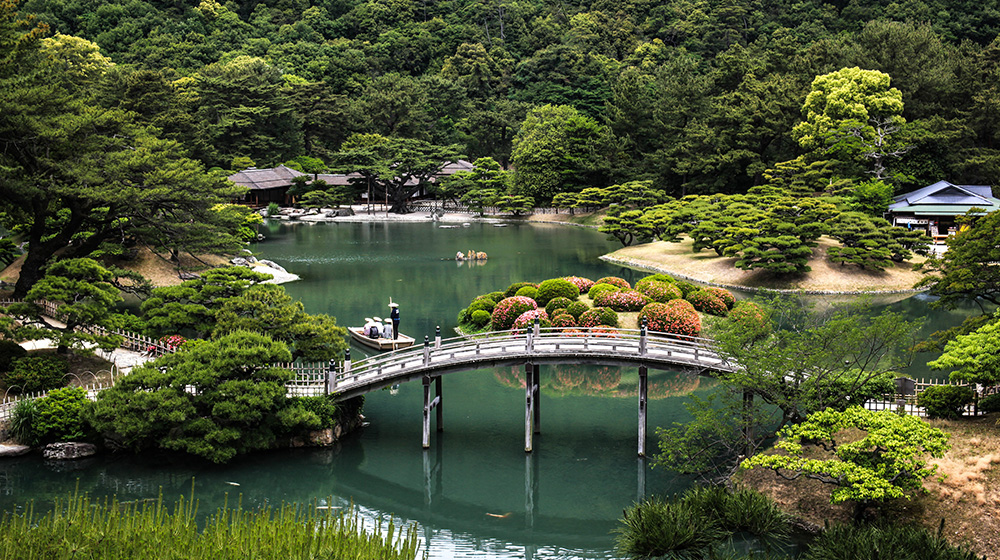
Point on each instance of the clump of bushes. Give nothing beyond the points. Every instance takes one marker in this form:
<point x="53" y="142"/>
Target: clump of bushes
<point x="598" y="316"/>
<point x="677" y="316"/>
<point x="564" y="321"/>
<point x="900" y="542"/>
<point x="686" y="288"/>
<point x="479" y="318"/>
<point x="706" y="302"/>
<point x="509" y="309"/>
<point x="654" y="278"/>
<point x="623" y="300"/>
<point x="577" y="308"/>
<point x="511" y="290"/>
<point x="615" y="281"/>
<point x="526" y="320"/>
<point x="32" y="374"/>
<point x="658" y="291"/>
<point x="725" y="295"/>
<point x="56" y="417"/>
<point x="945" y="401"/>
<point x="556" y="304"/>
<point x="749" y="317"/>
<point x="556" y="288"/>
<point x="528" y="292"/>
<point x="583" y="284"/>
<point x="988" y="404"/>
<point x="599" y="288"/>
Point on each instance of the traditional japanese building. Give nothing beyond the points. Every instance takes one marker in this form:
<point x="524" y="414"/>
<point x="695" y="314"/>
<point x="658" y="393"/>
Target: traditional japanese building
<point x="935" y="207"/>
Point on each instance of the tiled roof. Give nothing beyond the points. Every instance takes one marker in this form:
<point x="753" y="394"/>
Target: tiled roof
<point x="337" y="179"/>
<point x="272" y="178"/>
<point x="945" y="193"/>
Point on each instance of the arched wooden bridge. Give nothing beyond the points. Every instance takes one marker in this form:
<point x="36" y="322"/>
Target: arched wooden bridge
<point x="604" y="346"/>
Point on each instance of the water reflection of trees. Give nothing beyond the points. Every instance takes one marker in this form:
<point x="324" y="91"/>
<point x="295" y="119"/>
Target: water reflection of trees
<point x="604" y="381"/>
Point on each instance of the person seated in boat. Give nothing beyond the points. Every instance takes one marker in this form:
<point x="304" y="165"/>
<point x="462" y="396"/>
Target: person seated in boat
<point x="387" y="328"/>
<point x="371" y="328"/>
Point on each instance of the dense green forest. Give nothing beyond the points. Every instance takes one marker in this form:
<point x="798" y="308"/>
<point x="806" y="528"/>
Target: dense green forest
<point x="698" y="96"/>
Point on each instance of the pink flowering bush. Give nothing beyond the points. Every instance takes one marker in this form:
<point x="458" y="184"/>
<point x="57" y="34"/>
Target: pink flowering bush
<point x="564" y="320"/>
<point x="677" y="316"/>
<point x="749" y="316"/>
<point x="615" y="281"/>
<point x="583" y="284"/>
<point x="659" y="291"/>
<point x="526" y="320"/>
<point x="624" y="300"/>
<point x="706" y="302"/>
<point x="598" y="316"/>
<point x="725" y="295"/>
<point x="509" y="309"/>
<point x="172" y="341"/>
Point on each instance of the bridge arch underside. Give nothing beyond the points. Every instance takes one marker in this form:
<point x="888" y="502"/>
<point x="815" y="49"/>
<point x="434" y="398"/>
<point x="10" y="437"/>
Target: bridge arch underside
<point x="418" y="373"/>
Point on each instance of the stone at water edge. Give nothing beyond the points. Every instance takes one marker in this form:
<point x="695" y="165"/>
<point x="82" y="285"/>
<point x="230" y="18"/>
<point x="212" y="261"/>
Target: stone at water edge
<point x="13" y="450"/>
<point x="68" y="450"/>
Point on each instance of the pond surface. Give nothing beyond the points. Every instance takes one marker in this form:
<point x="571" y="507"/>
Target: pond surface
<point x="475" y="493"/>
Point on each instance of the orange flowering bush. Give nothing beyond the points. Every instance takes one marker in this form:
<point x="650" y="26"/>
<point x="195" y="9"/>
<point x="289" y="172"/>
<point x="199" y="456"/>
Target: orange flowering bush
<point x="624" y="300"/>
<point x="677" y="316"/>
<point x="706" y="302"/>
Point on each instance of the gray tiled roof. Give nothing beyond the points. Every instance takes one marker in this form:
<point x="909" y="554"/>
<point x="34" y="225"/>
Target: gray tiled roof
<point x="946" y="193"/>
<point x="271" y="178"/>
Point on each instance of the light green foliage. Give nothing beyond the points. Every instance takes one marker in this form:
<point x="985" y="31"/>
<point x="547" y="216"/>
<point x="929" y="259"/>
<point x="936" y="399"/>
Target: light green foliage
<point x="871" y="197"/>
<point x="58" y="416"/>
<point x="802" y="360"/>
<point x="216" y="400"/>
<point x="556" y="288"/>
<point x="945" y="401"/>
<point x="887" y="461"/>
<point x="973" y="357"/>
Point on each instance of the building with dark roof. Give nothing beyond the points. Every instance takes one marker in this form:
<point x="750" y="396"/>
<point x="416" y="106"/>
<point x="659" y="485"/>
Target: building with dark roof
<point x="266" y="185"/>
<point x="935" y="207"/>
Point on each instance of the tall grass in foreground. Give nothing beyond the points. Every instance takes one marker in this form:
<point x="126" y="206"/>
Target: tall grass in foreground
<point x="78" y="527"/>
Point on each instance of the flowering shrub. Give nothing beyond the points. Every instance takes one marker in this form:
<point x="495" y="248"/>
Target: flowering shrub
<point x="509" y="309"/>
<point x="583" y="284"/>
<point x="604" y="332"/>
<point x="677" y="316"/>
<point x="749" y="316"/>
<point x="564" y="321"/>
<point x="172" y="341"/>
<point x="577" y="308"/>
<point x="528" y="292"/>
<point x="556" y="304"/>
<point x="654" y="278"/>
<point x="554" y="288"/>
<point x="512" y="290"/>
<point x="658" y="291"/>
<point x="597" y="289"/>
<point x="725" y="295"/>
<point x="615" y="281"/>
<point x="526" y="320"/>
<point x="624" y="300"/>
<point x="598" y="316"/>
<point x="707" y="302"/>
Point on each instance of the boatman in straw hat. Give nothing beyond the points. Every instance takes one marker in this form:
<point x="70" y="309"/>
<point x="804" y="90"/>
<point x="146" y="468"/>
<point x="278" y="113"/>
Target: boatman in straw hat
<point x="394" y="315"/>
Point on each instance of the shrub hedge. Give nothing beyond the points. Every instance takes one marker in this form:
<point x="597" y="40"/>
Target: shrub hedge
<point x="706" y="302"/>
<point x="658" y="291"/>
<point x="597" y="289"/>
<point x="576" y="309"/>
<point x="725" y="295"/>
<point x="526" y="320"/>
<point x="677" y="316"/>
<point x="479" y="318"/>
<point x="945" y="401"/>
<point x="623" y="300"/>
<point x="556" y="288"/>
<point x="598" y="316"/>
<point x="615" y="281"/>
<point x="555" y="304"/>
<point x="31" y="374"/>
<point x="511" y="290"/>
<point x="528" y="292"/>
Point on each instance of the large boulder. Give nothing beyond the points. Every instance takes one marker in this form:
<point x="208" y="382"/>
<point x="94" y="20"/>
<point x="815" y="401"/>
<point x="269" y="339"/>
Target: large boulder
<point x="13" y="450"/>
<point x="68" y="450"/>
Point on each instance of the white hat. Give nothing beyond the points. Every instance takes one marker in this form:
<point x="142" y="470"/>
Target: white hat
<point x="393" y="305"/>
<point x="368" y="319"/>
<point x="388" y="320"/>
<point x="377" y="319"/>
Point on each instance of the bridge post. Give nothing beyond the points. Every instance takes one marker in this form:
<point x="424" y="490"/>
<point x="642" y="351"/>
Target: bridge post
<point x="437" y="336"/>
<point x="643" y="372"/>
<point x="427" y="351"/>
<point x="536" y="328"/>
<point x="529" y="401"/>
<point x="536" y="398"/>
<point x="440" y="401"/>
<point x="642" y="337"/>
<point x="347" y="361"/>
<point x="427" y="412"/>
<point x="331" y="377"/>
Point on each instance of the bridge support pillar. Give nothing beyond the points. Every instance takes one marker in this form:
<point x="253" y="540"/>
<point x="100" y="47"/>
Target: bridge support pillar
<point x="643" y="384"/>
<point x="428" y="406"/>
<point x="529" y="405"/>
<point x="537" y="399"/>
<point x="440" y="404"/>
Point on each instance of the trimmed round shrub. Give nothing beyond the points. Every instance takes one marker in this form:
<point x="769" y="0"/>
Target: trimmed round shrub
<point x="988" y="404"/>
<point x="686" y="288"/>
<point x="564" y="321"/>
<point x="555" y="288"/>
<point x="556" y="303"/>
<point x="495" y="296"/>
<point x="577" y="308"/>
<point x="597" y="289"/>
<point x="659" y="291"/>
<point x="598" y="316"/>
<point x="624" y="300"/>
<point x="654" y="278"/>
<point x="750" y="317"/>
<point x="677" y="316"/>
<point x="511" y="291"/>
<point x="527" y="319"/>
<point x="615" y="281"/>
<point x="528" y="292"/>
<point x="31" y="374"/>
<point x="945" y="401"/>
<point x="480" y="318"/>
<point x="10" y="351"/>
<point x="58" y="415"/>
<point x="706" y="302"/>
<point x="509" y="309"/>
<point x="725" y="295"/>
<point x="485" y="304"/>
<point x="583" y="284"/>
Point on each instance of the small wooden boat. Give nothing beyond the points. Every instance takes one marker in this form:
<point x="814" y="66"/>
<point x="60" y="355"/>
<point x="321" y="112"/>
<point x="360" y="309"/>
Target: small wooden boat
<point x="381" y="344"/>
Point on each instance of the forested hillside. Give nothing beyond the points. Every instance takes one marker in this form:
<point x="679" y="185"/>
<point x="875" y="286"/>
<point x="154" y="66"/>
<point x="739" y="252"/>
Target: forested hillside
<point x="697" y="96"/>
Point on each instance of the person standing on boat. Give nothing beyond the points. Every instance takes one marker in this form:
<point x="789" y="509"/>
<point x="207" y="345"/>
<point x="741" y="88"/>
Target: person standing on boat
<point x="394" y="315"/>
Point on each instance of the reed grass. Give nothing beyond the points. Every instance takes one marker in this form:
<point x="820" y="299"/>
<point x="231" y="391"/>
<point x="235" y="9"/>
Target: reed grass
<point x="79" y="527"/>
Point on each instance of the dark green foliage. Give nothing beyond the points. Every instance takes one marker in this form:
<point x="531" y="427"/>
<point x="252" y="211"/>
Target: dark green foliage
<point x="598" y="316"/>
<point x="990" y="403"/>
<point x="556" y="288"/>
<point x="482" y="304"/>
<point x="323" y="408"/>
<point x="22" y="422"/>
<point x="707" y="302"/>
<point x="686" y="287"/>
<point x="599" y="288"/>
<point x="9" y="351"/>
<point x="577" y="308"/>
<point x="899" y="542"/>
<point x="59" y="416"/>
<point x="480" y="318"/>
<point x="32" y="374"/>
<point x="945" y="401"/>
<point x="557" y="303"/>
<point x="513" y="288"/>
<point x="659" y="291"/>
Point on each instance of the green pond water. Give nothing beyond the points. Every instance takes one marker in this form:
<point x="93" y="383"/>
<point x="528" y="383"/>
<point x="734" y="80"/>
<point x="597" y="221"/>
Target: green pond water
<point x="475" y="493"/>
